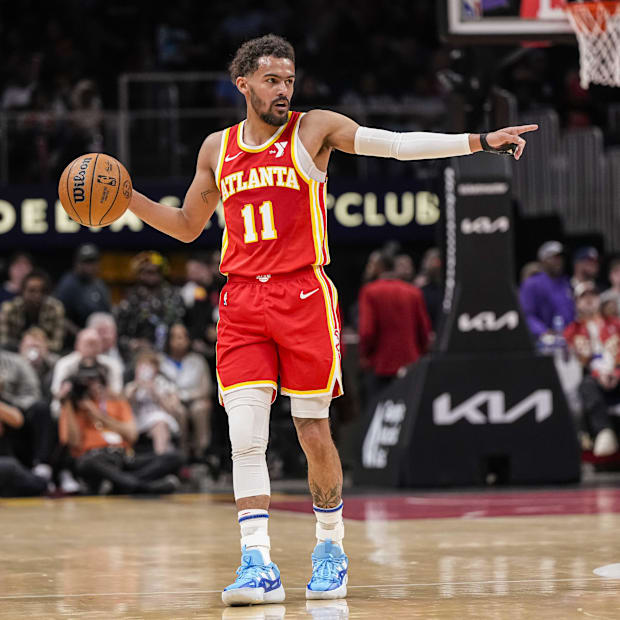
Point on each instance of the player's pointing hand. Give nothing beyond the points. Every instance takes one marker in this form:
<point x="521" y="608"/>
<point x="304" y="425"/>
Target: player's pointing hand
<point x="507" y="140"/>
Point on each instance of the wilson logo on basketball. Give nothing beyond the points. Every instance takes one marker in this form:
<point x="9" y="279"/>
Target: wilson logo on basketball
<point x="78" y="181"/>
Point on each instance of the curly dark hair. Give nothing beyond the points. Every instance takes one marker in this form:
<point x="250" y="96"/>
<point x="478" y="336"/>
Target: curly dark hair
<point x="246" y="58"/>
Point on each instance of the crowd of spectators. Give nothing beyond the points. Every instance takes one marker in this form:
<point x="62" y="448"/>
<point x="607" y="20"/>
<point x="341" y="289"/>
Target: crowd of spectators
<point x="57" y="89"/>
<point x="571" y="316"/>
<point x="102" y="397"/>
<point x="97" y="397"/>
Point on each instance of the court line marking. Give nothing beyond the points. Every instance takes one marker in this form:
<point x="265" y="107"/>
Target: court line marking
<point x="380" y="585"/>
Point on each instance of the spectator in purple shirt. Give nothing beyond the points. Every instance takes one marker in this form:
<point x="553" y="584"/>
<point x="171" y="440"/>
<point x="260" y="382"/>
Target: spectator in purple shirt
<point x="547" y="297"/>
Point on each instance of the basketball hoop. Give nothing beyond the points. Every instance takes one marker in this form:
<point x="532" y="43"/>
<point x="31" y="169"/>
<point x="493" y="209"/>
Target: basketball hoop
<point x="597" y="26"/>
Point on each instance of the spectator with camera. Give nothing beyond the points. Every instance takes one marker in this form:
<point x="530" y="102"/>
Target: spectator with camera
<point x="87" y="348"/>
<point x="190" y="375"/>
<point x="595" y="340"/>
<point x="100" y="429"/>
<point x="155" y="404"/>
<point x="33" y="306"/>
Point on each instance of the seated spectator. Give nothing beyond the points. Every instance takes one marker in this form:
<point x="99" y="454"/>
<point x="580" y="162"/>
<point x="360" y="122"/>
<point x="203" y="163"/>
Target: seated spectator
<point x="613" y="292"/>
<point x="394" y="327"/>
<point x="34" y="306"/>
<point x="30" y="441"/>
<point x="594" y="340"/>
<point x="429" y="281"/>
<point x="20" y="265"/>
<point x="15" y="479"/>
<point x="585" y="265"/>
<point x="87" y="348"/>
<point x="81" y="291"/>
<point x="609" y="304"/>
<point x="35" y="350"/>
<point x="150" y="308"/>
<point x="190" y="374"/>
<point x="100" y="430"/>
<point x="546" y="297"/>
<point x="105" y="325"/>
<point x="154" y="403"/>
<point x="201" y="296"/>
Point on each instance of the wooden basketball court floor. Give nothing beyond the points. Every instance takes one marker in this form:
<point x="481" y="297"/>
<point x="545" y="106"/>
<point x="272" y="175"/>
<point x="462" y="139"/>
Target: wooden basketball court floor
<point x="478" y="555"/>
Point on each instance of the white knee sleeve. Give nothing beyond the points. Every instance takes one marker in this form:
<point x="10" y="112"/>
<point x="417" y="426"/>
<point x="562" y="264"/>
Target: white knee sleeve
<point x="248" y="422"/>
<point x="313" y="407"/>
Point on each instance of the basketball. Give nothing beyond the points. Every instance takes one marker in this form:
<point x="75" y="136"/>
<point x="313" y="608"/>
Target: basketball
<point x="95" y="189"/>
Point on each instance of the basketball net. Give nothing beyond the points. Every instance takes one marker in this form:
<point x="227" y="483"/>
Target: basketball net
<point x="597" y="26"/>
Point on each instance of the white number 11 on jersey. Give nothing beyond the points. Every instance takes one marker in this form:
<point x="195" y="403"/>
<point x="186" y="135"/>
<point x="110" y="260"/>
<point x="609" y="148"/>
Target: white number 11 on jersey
<point x="268" y="232"/>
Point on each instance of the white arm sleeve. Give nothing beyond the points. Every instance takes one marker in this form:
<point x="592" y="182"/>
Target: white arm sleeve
<point x="412" y="145"/>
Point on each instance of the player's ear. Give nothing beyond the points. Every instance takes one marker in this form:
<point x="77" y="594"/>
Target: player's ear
<point x="242" y="84"/>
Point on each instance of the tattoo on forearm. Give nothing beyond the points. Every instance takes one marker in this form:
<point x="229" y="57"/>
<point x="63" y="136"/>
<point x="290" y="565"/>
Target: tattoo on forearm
<point x="205" y="194"/>
<point x="326" y="498"/>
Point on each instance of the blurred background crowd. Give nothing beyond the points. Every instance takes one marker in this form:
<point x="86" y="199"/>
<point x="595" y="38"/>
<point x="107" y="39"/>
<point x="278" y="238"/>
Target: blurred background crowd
<point x="107" y="358"/>
<point x="61" y="65"/>
<point x="103" y="397"/>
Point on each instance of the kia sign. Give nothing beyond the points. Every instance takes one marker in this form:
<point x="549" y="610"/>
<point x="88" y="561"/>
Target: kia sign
<point x="484" y="225"/>
<point x="488" y="322"/>
<point x="489" y="407"/>
<point x="456" y="419"/>
<point x="480" y="309"/>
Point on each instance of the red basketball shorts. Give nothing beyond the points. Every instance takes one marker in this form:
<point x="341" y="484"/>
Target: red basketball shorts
<point x="284" y="325"/>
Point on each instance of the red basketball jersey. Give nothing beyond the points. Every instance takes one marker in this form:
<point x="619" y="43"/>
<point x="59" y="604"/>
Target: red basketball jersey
<point x="274" y="211"/>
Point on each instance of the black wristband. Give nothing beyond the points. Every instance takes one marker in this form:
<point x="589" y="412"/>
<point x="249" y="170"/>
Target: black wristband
<point x="505" y="149"/>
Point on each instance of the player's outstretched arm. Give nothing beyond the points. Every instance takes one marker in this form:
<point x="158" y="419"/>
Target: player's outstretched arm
<point x="202" y="197"/>
<point x="346" y="135"/>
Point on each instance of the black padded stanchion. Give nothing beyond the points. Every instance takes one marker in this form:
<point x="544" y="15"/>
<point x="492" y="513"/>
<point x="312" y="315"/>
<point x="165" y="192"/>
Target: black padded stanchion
<point x="484" y="407"/>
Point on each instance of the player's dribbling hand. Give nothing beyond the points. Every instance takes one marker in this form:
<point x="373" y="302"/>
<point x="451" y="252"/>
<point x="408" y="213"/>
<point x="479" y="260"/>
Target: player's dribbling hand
<point x="510" y="135"/>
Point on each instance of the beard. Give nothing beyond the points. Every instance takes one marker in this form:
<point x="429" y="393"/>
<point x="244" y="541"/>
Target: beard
<point x="270" y="116"/>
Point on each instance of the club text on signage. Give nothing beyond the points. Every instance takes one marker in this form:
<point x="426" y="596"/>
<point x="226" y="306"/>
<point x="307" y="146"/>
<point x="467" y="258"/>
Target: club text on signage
<point x="350" y="209"/>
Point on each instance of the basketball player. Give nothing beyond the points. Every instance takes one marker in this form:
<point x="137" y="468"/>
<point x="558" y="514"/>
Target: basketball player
<point x="279" y="311"/>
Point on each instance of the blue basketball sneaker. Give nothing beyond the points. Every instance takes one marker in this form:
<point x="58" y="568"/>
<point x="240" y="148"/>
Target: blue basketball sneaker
<point x="329" y="572"/>
<point x="256" y="582"/>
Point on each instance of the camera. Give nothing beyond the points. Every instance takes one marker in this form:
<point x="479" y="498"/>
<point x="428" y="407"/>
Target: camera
<point x="81" y="381"/>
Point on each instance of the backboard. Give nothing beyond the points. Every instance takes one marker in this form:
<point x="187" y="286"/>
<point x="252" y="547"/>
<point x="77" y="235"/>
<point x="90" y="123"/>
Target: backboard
<point x="510" y="22"/>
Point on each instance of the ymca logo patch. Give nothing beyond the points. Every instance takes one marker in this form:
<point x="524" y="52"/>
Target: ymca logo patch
<point x="279" y="150"/>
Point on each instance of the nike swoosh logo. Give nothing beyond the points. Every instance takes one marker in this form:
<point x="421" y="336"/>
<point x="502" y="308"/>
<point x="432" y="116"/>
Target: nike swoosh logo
<point x="229" y="158"/>
<point x="303" y="295"/>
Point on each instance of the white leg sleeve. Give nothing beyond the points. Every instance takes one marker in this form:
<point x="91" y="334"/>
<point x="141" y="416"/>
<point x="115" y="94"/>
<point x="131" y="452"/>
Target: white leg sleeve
<point x="248" y="423"/>
<point x="313" y="407"/>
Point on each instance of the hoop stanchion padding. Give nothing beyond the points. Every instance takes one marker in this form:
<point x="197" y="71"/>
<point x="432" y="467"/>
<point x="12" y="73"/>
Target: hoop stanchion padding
<point x="597" y="27"/>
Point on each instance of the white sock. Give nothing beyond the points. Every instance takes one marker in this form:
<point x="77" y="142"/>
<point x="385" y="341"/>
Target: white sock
<point x="253" y="523"/>
<point x="329" y="524"/>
